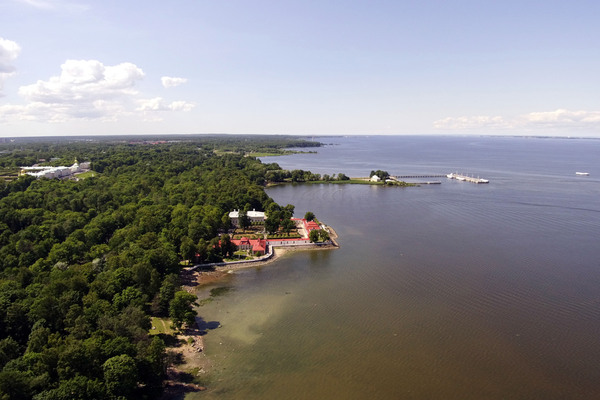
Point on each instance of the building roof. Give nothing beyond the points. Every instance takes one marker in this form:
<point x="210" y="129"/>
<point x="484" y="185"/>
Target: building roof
<point x="259" y="245"/>
<point x="250" y="214"/>
<point x="312" y="225"/>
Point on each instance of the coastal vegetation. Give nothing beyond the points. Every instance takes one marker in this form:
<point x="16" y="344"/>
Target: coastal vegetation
<point x="319" y="235"/>
<point x="281" y="176"/>
<point x="85" y="264"/>
<point x="382" y="175"/>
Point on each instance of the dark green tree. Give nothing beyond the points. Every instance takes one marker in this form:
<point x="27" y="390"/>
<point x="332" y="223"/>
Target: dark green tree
<point x="227" y="246"/>
<point x="273" y="221"/>
<point x="181" y="310"/>
<point x="383" y="175"/>
<point x="77" y="388"/>
<point x="314" y="236"/>
<point x="120" y="375"/>
<point x="167" y="291"/>
<point x="287" y="225"/>
<point x="187" y="249"/>
<point x="244" y="220"/>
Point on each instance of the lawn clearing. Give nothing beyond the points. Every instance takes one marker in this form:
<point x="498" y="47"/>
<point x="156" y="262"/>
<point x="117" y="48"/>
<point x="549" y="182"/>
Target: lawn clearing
<point x="161" y="325"/>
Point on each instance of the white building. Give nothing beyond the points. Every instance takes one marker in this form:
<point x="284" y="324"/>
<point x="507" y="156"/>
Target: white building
<point x="375" y="178"/>
<point x="53" y="172"/>
<point x="255" y="217"/>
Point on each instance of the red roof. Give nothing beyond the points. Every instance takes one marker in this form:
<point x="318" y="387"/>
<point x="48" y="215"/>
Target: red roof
<point x="312" y="225"/>
<point x="259" y="245"/>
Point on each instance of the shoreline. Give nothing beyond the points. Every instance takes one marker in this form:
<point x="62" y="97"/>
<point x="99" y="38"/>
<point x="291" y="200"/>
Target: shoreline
<point x="191" y="349"/>
<point x="191" y="279"/>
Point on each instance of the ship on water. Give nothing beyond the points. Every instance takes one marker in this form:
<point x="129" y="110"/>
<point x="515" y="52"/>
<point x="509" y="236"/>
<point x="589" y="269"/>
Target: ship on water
<point x="460" y="177"/>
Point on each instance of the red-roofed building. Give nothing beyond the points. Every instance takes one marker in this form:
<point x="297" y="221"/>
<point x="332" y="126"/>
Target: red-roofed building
<point x="254" y="245"/>
<point x="308" y="225"/>
<point x="311" y="226"/>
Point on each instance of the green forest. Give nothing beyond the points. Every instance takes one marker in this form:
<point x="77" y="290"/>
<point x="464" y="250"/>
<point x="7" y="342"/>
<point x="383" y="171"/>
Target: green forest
<point x="85" y="264"/>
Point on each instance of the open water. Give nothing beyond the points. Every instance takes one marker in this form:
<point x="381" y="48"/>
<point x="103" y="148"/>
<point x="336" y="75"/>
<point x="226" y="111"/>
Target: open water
<point x="451" y="291"/>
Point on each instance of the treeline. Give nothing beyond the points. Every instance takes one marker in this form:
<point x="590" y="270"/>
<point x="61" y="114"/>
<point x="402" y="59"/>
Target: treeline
<point x="383" y="175"/>
<point x="84" y="264"/>
<point x="28" y="151"/>
<point x="297" y="175"/>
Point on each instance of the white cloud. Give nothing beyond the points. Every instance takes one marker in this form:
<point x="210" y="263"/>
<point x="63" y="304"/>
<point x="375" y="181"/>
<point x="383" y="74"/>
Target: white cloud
<point x="85" y="90"/>
<point x="558" y="119"/>
<point x="169" y="81"/>
<point x="9" y="51"/>
<point x="159" y="104"/>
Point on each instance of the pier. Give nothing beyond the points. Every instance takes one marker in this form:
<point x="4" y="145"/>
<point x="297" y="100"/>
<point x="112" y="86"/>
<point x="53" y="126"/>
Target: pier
<point x="416" y="176"/>
<point x="457" y="176"/>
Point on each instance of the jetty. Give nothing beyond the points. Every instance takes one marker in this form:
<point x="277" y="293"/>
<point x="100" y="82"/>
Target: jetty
<point x="466" y="178"/>
<point x="457" y="176"/>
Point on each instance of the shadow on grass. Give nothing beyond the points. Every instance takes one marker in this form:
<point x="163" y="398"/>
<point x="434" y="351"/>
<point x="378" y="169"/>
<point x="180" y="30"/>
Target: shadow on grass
<point x="169" y="339"/>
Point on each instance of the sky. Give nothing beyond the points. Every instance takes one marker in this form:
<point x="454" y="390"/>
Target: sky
<point x="378" y="67"/>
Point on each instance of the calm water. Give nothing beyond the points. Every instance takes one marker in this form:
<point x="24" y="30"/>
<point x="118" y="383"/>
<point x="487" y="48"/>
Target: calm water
<point x="451" y="291"/>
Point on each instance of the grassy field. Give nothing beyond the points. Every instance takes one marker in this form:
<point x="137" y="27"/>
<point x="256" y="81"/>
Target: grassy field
<point x="9" y="174"/>
<point x="88" y="174"/>
<point x="361" y="181"/>
<point x="275" y="153"/>
<point x="352" y="181"/>
<point x="263" y="154"/>
<point x="162" y="325"/>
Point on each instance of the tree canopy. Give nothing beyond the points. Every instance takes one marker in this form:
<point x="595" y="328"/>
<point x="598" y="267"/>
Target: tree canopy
<point x="85" y="263"/>
<point x="383" y="175"/>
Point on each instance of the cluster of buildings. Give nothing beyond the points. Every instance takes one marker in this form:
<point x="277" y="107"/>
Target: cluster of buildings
<point x="259" y="217"/>
<point x="260" y="246"/>
<point x="55" y="172"/>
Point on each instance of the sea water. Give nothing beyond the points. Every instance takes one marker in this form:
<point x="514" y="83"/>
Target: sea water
<point x="451" y="291"/>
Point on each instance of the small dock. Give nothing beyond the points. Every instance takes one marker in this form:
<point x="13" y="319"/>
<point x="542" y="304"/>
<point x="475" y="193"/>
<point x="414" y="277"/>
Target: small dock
<point x="399" y="178"/>
<point x="466" y="178"/>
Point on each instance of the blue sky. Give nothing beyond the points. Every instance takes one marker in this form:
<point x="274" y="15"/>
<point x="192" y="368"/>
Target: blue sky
<point x="70" y="67"/>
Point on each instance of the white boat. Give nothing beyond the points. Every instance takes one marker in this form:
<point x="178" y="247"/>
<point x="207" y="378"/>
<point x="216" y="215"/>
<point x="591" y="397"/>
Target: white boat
<point x="582" y="173"/>
<point x="466" y="178"/>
